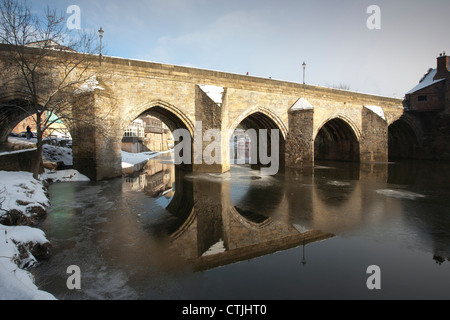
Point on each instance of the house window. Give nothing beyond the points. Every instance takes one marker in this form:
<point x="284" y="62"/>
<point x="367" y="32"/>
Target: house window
<point x="422" y="98"/>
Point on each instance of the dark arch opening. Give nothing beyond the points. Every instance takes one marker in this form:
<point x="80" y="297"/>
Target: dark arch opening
<point x="16" y="115"/>
<point x="254" y="123"/>
<point x="11" y="114"/>
<point x="336" y="141"/>
<point x="402" y="141"/>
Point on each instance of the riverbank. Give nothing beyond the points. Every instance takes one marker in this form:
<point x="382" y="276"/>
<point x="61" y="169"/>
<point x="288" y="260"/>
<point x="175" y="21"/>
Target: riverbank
<point x="23" y="202"/>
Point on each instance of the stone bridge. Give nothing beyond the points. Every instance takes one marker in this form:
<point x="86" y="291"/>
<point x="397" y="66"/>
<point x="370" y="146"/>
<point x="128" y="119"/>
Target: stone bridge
<point x="313" y="122"/>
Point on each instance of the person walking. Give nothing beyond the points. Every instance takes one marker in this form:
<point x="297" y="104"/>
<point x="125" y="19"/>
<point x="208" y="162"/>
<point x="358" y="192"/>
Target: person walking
<point x="28" y="132"/>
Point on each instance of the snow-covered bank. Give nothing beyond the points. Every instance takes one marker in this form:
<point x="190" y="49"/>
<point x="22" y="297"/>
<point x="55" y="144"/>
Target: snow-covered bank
<point x="58" y="154"/>
<point x="23" y="200"/>
<point x="16" y="255"/>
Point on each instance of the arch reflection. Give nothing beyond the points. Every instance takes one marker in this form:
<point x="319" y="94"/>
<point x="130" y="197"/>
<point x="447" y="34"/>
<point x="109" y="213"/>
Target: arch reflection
<point x="216" y="219"/>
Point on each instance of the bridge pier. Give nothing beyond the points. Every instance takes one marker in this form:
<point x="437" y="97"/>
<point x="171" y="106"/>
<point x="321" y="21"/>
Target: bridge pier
<point x="374" y="135"/>
<point x="300" y="138"/>
<point x="96" y="145"/>
<point x="210" y="147"/>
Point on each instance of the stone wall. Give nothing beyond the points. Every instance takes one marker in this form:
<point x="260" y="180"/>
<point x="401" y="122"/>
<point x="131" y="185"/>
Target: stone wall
<point x="21" y="160"/>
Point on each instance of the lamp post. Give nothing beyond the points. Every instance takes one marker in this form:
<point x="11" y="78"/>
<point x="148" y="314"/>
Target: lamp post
<point x="303" y="258"/>
<point x="304" y="68"/>
<point x="100" y="34"/>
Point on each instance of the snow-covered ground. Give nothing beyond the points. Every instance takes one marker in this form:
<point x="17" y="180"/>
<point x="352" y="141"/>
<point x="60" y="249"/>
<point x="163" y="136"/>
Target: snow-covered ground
<point x="19" y="191"/>
<point x="58" y="154"/>
<point x="16" y="283"/>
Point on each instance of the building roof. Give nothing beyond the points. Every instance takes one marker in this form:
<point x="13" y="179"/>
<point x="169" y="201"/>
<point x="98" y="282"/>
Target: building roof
<point x="426" y="81"/>
<point x="49" y="44"/>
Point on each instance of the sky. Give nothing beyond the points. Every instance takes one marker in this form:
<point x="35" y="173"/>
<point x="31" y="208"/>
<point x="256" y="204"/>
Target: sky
<point x="271" y="39"/>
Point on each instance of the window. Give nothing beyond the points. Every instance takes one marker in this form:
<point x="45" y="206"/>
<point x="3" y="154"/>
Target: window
<point x="422" y="98"/>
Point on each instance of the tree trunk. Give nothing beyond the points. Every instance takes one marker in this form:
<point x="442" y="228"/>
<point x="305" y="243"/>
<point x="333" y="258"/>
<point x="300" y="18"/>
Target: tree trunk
<point x="37" y="161"/>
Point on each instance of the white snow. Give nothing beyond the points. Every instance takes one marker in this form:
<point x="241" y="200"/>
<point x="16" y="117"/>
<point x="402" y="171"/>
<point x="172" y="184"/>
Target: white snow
<point x="57" y="153"/>
<point x="402" y="194"/>
<point x="23" y="188"/>
<point x="130" y="159"/>
<point x="214" y="92"/>
<point x="299" y="228"/>
<point x="64" y="175"/>
<point x="20" y="191"/>
<point x="215" y="249"/>
<point x="426" y="81"/>
<point x="17" y="151"/>
<point x="89" y="85"/>
<point x="302" y="104"/>
<point x="17" y="283"/>
<point x="377" y="110"/>
<point x="338" y="183"/>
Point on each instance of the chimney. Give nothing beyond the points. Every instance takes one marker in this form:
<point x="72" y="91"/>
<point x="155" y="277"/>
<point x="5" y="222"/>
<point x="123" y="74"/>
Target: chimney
<point x="442" y="67"/>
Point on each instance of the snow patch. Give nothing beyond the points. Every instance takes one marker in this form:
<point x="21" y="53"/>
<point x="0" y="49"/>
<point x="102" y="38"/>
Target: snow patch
<point x="21" y="192"/>
<point x="338" y="183"/>
<point x="131" y="159"/>
<point x="16" y="283"/>
<point x="214" y="92"/>
<point x="377" y="110"/>
<point x="299" y="228"/>
<point x="400" y="194"/>
<point x="57" y="153"/>
<point x="302" y="104"/>
<point x="64" y="175"/>
<point x="215" y="249"/>
<point x="89" y="85"/>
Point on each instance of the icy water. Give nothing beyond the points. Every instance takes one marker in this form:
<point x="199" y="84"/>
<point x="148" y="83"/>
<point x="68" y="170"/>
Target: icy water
<point x="310" y="234"/>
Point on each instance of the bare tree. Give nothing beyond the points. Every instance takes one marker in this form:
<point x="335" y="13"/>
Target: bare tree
<point x="44" y="64"/>
<point x="340" y="86"/>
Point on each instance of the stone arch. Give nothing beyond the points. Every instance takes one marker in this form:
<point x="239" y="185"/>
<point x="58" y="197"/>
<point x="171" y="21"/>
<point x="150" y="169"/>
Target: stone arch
<point x="355" y="128"/>
<point x="250" y="219"/>
<point x="404" y="138"/>
<point x="262" y="111"/>
<point x="262" y="118"/>
<point x="170" y="114"/>
<point x="337" y="138"/>
<point x="173" y="117"/>
<point x="14" y="108"/>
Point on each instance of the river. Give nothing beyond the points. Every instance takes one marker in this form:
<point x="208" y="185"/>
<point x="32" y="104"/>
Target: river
<point x="162" y="233"/>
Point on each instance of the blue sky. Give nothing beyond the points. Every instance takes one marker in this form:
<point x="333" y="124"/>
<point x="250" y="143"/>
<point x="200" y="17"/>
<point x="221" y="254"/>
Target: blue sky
<point x="270" y="38"/>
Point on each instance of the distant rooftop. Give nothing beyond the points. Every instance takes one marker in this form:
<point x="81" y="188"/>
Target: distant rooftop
<point x="426" y="81"/>
<point x="49" y="44"/>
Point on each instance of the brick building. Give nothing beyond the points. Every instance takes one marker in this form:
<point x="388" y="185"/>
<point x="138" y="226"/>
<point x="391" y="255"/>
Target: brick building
<point x="432" y="93"/>
<point x="429" y="103"/>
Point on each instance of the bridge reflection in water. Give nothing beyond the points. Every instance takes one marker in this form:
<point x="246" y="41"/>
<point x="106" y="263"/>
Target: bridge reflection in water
<point x="206" y="227"/>
<point x="217" y="219"/>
